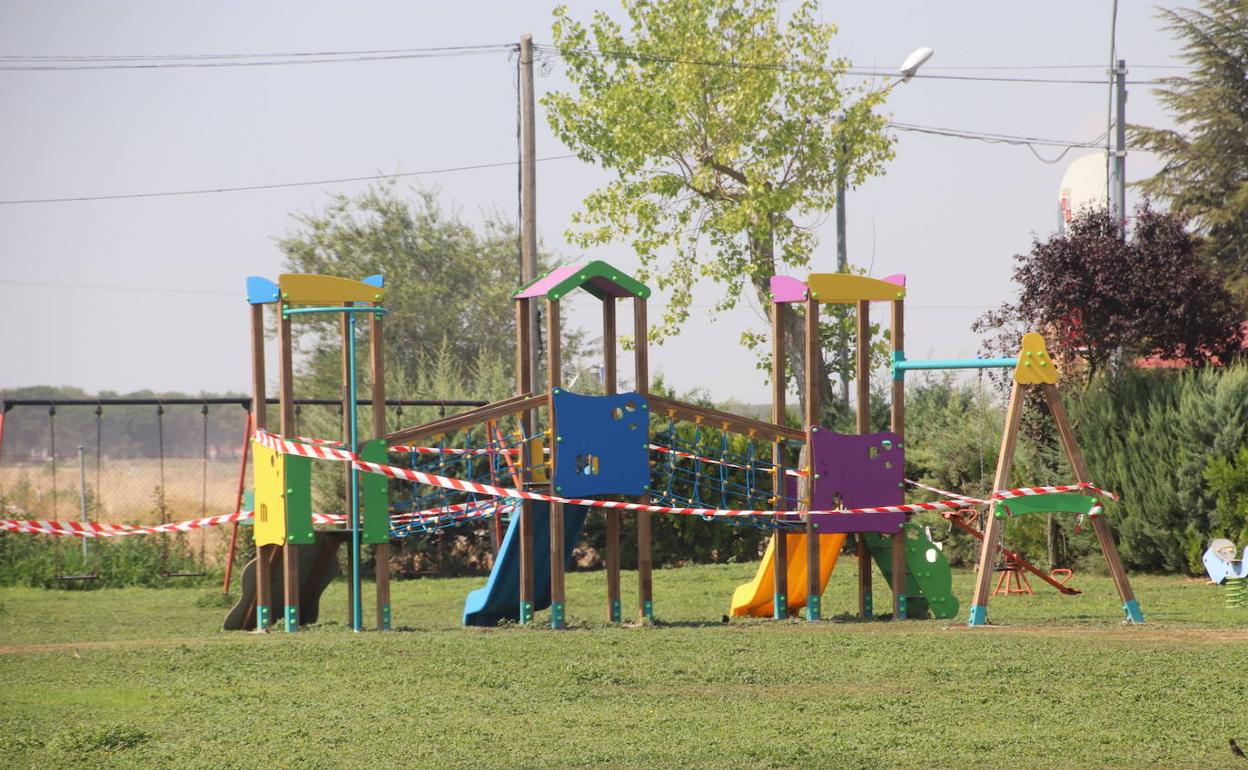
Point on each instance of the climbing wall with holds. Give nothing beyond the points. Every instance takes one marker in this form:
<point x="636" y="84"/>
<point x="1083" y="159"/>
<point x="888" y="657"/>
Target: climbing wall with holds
<point x="601" y="444"/>
<point x="857" y="471"/>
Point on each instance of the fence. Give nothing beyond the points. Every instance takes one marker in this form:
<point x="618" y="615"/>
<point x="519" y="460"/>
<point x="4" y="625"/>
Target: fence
<point x="150" y="460"/>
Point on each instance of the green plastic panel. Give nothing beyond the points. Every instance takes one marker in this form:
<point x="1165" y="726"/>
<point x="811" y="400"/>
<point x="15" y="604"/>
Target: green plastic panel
<point x="299" y="500"/>
<point x="1061" y="502"/>
<point x="375" y="494"/>
<point x="929" y="581"/>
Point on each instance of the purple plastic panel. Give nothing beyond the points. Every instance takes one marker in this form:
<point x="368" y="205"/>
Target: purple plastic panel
<point x="787" y="289"/>
<point x="857" y="471"/>
<point x="845" y="523"/>
<point x="541" y="286"/>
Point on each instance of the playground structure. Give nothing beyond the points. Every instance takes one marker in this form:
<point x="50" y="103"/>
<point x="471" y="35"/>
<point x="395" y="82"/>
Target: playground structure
<point x="567" y="455"/>
<point x="571" y="455"/>
<point x="1227" y="571"/>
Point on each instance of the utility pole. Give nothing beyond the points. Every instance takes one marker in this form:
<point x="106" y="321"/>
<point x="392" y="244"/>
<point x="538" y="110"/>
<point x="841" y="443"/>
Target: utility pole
<point x="528" y="197"/>
<point x="842" y="265"/>
<point x="1118" y="169"/>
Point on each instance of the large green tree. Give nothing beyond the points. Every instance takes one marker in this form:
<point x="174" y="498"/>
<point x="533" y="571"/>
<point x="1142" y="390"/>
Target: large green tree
<point x="448" y="284"/>
<point x="726" y="127"/>
<point x="1205" y="176"/>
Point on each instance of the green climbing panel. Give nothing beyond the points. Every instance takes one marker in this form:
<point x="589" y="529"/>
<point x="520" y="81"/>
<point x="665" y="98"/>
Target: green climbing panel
<point x="929" y="581"/>
<point x="1061" y="502"/>
<point x="299" y="500"/>
<point x="375" y="494"/>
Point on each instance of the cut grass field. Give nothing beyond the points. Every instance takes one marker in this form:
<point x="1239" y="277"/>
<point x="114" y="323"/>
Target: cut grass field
<point x="144" y="678"/>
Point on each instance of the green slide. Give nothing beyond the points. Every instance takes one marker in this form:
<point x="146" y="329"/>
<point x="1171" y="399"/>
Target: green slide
<point x="929" y="582"/>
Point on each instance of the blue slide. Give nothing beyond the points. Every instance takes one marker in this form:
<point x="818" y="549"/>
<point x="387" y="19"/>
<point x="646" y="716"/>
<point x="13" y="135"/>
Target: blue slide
<point x="500" y="598"/>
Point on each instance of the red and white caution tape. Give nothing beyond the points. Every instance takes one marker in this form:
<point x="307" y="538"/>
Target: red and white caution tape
<point x="102" y="529"/>
<point x="948" y="494"/>
<point x="1082" y="486"/>
<point x="445" y="482"/>
<point x="286" y="446"/>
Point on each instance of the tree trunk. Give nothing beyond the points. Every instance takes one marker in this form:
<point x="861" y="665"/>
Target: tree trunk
<point x="762" y="253"/>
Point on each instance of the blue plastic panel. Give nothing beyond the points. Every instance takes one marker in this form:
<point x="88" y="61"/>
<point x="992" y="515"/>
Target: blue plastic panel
<point x="261" y="291"/>
<point x="601" y="444"/>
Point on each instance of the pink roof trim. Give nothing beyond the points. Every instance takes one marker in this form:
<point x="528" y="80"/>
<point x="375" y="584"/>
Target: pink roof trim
<point x="541" y="286"/>
<point x="899" y="279"/>
<point x="787" y="289"/>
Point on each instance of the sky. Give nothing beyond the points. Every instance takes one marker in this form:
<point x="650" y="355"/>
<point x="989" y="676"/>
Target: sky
<point x="147" y="293"/>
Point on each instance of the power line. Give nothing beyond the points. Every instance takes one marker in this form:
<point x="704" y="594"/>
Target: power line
<point x="270" y="55"/>
<point x="195" y="61"/>
<point x="953" y="133"/>
<point x="273" y="186"/>
<point x="114" y="287"/>
<point x="867" y="72"/>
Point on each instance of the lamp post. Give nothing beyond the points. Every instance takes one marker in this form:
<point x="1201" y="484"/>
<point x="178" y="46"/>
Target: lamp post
<point x="907" y="71"/>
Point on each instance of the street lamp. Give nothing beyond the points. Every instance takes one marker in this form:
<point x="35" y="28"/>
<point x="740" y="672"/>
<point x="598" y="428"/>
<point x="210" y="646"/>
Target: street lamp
<point x="907" y="70"/>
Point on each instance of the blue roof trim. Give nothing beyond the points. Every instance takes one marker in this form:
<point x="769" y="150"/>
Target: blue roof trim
<point x="375" y="280"/>
<point x="261" y="291"/>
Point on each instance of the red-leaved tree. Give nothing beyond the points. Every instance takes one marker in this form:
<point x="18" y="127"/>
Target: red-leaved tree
<point x="1094" y="296"/>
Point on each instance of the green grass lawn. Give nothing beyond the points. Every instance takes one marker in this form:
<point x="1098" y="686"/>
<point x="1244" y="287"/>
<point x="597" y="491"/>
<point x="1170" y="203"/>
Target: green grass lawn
<point x="144" y="678"/>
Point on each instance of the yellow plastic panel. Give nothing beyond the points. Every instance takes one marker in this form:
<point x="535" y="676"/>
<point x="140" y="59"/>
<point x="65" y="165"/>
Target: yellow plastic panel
<point x="269" y="471"/>
<point x="1035" y="366"/>
<point x="843" y="288"/>
<point x="306" y="289"/>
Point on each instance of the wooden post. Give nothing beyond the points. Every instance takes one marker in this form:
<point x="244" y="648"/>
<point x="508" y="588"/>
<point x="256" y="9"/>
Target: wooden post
<point x="813" y="389"/>
<point x="524" y="385"/>
<point x="992" y="532"/>
<point x="286" y="404"/>
<point x="381" y="551"/>
<point x="897" y="423"/>
<point x="862" y="381"/>
<point x="344" y="395"/>
<point x="528" y="199"/>
<point x="554" y="368"/>
<point x="610" y="387"/>
<point x="779" y="540"/>
<point x="1103" y="534"/>
<point x="259" y="418"/>
<point x="645" y="544"/>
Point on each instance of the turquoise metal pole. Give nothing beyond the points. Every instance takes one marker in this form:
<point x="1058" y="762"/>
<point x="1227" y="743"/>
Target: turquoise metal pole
<point x="901" y="365"/>
<point x="357" y="611"/>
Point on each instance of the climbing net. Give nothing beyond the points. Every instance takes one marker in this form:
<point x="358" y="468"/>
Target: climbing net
<point x="709" y="468"/>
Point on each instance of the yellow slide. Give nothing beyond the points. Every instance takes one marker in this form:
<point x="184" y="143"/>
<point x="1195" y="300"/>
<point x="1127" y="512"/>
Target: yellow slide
<point x="755" y="597"/>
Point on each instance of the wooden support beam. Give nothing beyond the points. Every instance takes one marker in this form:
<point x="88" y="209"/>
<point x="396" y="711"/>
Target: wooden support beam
<point x="554" y="380"/>
<point x="344" y="329"/>
<point x="779" y="541"/>
<point x="897" y="409"/>
<point x="381" y="551"/>
<point x="715" y="418"/>
<point x="524" y="386"/>
<point x="645" y="545"/>
<point x="610" y="386"/>
<point x="286" y="403"/>
<point x="897" y="423"/>
<point x="482" y="414"/>
<point x="259" y="416"/>
<point x="992" y="532"/>
<point x="862" y="381"/>
<point x="1103" y="534"/>
<point x="264" y="599"/>
<point x="813" y="388"/>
